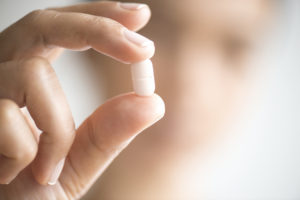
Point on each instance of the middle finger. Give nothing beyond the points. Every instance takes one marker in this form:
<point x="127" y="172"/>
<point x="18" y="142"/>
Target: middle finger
<point x="33" y="83"/>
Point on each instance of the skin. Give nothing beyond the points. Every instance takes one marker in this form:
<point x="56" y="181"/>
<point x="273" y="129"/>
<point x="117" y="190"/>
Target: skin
<point x="202" y="64"/>
<point x="27" y="48"/>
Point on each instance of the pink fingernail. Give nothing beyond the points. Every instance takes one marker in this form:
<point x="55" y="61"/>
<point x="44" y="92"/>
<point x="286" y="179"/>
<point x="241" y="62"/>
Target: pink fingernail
<point x="56" y="172"/>
<point x="137" y="39"/>
<point x="132" y="6"/>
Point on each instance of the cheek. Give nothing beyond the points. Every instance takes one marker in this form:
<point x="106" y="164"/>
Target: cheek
<point x="202" y="84"/>
<point x="205" y="87"/>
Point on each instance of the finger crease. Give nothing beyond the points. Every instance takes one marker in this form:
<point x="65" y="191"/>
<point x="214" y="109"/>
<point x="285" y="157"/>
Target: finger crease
<point x="91" y="136"/>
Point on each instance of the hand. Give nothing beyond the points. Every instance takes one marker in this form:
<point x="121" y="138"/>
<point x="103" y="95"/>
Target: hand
<point x="30" y="164"/>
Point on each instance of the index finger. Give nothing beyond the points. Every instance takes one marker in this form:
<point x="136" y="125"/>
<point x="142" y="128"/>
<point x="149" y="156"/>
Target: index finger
<point x="41" y="30"/>
<point x="134" y="16"/>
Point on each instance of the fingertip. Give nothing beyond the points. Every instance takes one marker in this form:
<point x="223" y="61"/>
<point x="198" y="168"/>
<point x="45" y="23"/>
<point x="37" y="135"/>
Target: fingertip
<point x="38" y="177"/>
<point x="136" y="47"/>
<point x="160" y="104"/>
<point x="156" y="104"/>
<point x="128" y="114"/>
<point x="56" y="172"/>
<point x="137" y="15"/>
<point x="144" y="109"/>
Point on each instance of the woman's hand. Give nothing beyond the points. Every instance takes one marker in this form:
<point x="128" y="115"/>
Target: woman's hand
<point x="31" y="164"/>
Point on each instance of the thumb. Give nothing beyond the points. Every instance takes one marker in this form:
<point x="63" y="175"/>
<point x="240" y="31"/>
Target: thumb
<point x="104" y="135"/>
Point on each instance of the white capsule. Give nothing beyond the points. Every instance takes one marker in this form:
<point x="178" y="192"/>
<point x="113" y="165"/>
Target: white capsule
<point x="143" y="78"/>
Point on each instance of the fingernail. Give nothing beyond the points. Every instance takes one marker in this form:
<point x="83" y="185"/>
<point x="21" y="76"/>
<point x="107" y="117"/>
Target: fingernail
<point x="56" y="172"/>
<point x="137" y="39"/>
<point x="132" y="6"/>
<point x="160" y="110"/>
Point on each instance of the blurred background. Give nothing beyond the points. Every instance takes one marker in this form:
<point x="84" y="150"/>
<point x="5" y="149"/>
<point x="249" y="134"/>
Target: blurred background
<point x="229" y="74"/>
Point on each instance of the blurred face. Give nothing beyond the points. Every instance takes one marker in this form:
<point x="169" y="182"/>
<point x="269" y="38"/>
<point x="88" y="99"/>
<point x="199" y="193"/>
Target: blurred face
<point x="203" y="55"/>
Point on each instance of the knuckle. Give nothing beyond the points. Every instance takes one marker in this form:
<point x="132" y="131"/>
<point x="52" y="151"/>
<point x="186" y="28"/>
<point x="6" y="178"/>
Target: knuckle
<point x="30" y="153"/>
<point x="101" y="21"/>
<point x="26" y="154"/>
<point x="34" y="15"/>
<point x="111" y="23"/>
<point x="37" y="69"/>
<point x="106" y="25"/>
<point x="62" y="138"/>
<point x="32" y="26"/>
<point x="69" y="129"/>
<point x="67" y="138"/>
<point x="38" y="65"/>
<point x="7" y="110"/>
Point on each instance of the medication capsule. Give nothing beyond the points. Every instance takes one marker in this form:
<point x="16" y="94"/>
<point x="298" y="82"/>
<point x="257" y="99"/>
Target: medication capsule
<point x="143" y="78"/>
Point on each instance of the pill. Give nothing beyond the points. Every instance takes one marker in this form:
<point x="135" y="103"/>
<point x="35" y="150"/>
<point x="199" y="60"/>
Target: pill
<point x="143" y="78"/>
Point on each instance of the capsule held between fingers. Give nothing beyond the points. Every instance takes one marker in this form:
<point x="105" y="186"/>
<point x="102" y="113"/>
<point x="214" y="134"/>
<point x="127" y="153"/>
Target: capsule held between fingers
<point x="143" y="78"/>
